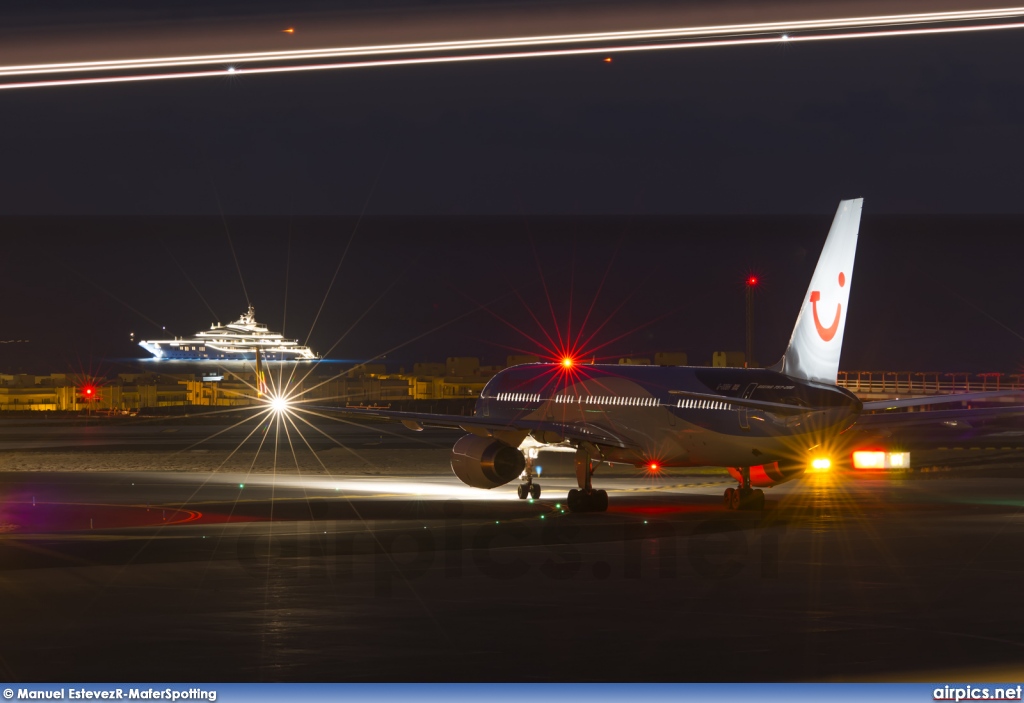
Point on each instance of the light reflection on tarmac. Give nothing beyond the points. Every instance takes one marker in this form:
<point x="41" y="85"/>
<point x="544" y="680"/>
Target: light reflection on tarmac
<point x="412" y="577"/>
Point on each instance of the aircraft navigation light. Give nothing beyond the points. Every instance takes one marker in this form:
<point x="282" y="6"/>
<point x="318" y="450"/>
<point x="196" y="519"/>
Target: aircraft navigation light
<point x="567" y="362"/>
<point x="821" y="463"/>
<point x="751" y="280"/>
<point x="653" y="466"/>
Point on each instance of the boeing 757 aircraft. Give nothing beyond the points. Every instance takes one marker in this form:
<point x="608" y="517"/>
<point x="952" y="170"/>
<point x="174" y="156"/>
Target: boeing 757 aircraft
<point x="760" y="424"/>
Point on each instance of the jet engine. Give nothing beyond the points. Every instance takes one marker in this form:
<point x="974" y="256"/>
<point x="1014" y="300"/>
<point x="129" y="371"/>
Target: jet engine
<point x="765" y="475"/>
<point x="481" y="462"/>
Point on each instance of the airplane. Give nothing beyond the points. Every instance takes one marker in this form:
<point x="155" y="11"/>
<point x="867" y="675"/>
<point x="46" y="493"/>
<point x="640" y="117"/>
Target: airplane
<point x="760" y="424"/>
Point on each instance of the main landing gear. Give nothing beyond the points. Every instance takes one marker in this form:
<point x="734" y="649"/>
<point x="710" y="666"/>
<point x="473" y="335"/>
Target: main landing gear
<point x="744" y="497"/>
<point x="586" y="499"/>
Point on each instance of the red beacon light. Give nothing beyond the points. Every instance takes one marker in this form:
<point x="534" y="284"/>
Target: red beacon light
<point x="653" y="466"/>
<point x="751" y="281"/>
<point x="567" y="362"/>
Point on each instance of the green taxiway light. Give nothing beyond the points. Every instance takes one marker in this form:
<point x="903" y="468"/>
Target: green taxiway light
<point x="241" y="485"/>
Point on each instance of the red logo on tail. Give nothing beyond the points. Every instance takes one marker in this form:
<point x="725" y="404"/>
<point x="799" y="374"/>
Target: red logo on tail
<point x="827" y="333"/>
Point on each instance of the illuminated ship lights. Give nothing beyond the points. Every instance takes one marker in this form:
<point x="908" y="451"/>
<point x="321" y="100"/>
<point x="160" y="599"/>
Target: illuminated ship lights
<point x="236" y="341"/>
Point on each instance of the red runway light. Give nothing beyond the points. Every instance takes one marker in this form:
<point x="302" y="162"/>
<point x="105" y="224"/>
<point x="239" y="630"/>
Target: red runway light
<point x="290" y="30"/>
<point x="653" y="466"/>
<point x="567" y="362"/>
<point x="608" y="59"/>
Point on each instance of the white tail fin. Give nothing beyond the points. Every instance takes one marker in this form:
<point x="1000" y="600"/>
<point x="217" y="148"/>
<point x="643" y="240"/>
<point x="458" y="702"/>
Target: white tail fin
<point x="817" y="341"/>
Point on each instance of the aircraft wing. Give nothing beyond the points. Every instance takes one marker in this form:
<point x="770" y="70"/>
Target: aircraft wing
<point x="482" y="426"/>
<point x="947" y="420"/>
<point x="920" y="401"/>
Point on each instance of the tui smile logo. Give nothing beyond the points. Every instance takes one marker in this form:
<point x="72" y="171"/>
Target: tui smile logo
<point x="827" y="333"/>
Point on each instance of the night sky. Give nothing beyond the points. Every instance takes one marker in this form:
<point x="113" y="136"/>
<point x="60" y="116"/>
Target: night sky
<point x="466" y="190"/>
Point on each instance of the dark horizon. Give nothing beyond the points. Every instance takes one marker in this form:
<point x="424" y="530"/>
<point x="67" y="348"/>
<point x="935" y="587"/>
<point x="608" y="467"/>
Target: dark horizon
<point x="927" y="295"/>
<point x="659" y="162"/>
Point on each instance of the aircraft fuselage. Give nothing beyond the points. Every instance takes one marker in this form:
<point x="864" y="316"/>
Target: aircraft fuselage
<point x="637" y="405"/>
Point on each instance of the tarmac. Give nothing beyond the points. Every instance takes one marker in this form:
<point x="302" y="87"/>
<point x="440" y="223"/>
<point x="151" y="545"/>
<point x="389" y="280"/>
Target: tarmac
<point x="386" y="568"/>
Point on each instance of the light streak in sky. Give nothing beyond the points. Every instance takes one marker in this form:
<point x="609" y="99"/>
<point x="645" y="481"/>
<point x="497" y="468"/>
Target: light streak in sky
<point x="234" y="70"/>
<point x="512" y="42"/>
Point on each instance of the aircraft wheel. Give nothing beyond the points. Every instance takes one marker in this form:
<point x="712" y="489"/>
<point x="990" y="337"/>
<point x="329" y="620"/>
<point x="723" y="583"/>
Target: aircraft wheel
<point x="582" y="502"/>
<point x="574" y="500"/>
<point x="736" y="500"/>
<point x="731" y="498"/>
<point x="522" y="491"/>
<point x="757" y="500"/>
<point x="749" y="499"/>
<point x="535" y="491"/>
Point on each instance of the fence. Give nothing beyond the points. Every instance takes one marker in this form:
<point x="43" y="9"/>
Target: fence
<point x="926" y="382"/>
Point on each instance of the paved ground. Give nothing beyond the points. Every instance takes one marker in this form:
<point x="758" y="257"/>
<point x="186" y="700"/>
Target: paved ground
<point x="403" y="574"/>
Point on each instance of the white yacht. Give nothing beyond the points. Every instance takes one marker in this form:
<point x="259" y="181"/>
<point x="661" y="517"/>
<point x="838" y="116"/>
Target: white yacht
<point x="235" y="341"/>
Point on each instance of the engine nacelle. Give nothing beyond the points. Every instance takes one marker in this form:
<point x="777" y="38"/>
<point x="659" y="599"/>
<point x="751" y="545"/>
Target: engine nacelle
<point x="481" y="462"/>
<point x="765" y="475"/>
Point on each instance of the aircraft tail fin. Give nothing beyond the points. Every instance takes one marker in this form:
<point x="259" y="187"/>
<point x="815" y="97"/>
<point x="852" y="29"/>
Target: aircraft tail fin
<point x="817" y="341"/>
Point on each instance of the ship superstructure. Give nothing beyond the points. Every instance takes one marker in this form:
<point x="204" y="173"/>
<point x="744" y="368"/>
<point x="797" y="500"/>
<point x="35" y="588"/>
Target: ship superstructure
<point x="235" y="341"/>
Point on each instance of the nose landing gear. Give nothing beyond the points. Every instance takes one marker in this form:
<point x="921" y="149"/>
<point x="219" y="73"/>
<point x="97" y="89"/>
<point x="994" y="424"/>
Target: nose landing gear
<point x="744" y="497"/>
<point x="529" y="489"/>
